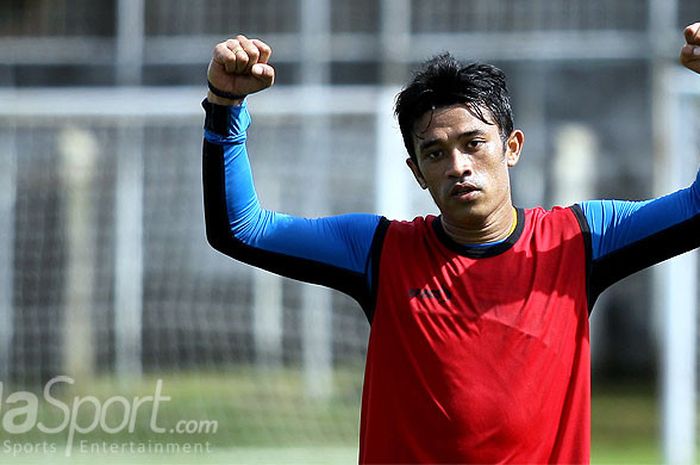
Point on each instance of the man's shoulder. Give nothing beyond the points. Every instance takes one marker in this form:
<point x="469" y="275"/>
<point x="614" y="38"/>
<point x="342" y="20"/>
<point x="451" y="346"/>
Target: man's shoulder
<point x="567" y="219"/>
<point x="556" y="213"/>
<point x="415" y="228"/>
<point x="417" y="223"/>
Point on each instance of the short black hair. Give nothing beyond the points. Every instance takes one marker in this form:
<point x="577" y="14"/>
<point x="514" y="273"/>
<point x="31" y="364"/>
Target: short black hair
<point x="443" y="81"/>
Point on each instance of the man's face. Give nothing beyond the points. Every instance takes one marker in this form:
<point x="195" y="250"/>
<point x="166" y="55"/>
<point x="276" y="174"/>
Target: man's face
<point x="464" y="163"/>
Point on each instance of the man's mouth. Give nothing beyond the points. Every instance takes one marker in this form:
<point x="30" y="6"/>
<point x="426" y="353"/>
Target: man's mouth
<point x="463" y="190"/>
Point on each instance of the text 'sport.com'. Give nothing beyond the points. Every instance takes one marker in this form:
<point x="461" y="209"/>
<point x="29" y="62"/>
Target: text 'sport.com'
<point x="116" y="414"/>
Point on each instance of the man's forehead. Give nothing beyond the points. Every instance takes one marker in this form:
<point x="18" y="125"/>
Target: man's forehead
<point x="458" y="117"/>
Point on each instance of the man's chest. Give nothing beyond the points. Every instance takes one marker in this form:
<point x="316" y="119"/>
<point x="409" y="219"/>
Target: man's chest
<point x="451" y="299"/>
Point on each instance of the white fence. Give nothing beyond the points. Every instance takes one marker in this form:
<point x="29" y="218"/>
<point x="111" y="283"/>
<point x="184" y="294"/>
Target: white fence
<point x="104" y="260"/>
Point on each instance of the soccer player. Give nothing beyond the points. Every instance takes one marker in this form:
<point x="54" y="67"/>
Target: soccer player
<point x="479" y="343"/>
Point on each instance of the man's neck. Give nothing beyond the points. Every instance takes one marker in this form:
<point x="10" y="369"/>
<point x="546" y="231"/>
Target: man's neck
<point x="496" y="227"/>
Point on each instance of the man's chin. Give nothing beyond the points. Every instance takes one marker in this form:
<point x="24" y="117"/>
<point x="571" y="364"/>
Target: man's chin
<point x="465" y="212"/>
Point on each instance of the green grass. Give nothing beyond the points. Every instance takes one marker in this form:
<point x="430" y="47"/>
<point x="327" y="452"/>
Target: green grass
<point x="236" y="456"/>
<point x="264" y="417"/>
<point x="259" y="413"/>
<point x="625" y="425"/>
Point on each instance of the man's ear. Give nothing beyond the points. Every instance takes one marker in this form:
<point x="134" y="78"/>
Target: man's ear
<point x="416" y="173"/>
<point x="514" y="145"/>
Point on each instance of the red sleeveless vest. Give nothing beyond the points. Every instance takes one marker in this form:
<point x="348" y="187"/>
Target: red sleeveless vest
<point x="479" y="355"/>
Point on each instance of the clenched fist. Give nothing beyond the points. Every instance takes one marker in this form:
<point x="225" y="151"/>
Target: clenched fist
<point x="690" y="53"/>
<point x="240" y="67"/>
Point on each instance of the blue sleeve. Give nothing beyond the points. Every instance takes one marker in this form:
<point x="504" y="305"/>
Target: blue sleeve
<point x="627" y="236"/>
<point x="335" y="251"/>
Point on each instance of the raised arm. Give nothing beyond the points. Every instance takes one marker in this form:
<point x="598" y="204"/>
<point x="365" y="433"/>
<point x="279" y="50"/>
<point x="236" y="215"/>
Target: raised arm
<point x="332" y="251"/>
<point x="629" y="236"/>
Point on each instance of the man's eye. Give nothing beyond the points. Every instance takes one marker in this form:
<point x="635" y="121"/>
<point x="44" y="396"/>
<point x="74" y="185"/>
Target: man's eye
<point x="435" y="154"/>
<point x="474" y="144"/>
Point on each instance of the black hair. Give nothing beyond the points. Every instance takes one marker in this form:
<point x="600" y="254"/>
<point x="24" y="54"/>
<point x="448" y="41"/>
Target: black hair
<point x="443" y="81"/>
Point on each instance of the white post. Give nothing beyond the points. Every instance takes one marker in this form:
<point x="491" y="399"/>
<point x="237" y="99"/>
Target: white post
<point x="128" y="273"/>
<point x="267" y="319"/>
<point x="395" y="188"/>
<point x="316" y="324"/>
<point x="267" y="296"/>
<point x="529" y="177"/>
<point x="395" y="36"/>
<point x="130" y="41"/>
<point x="8" y="195"/>
<point x="675" y="282"/>
<point x="128" y="306"/>
<point x="574" y="170"/>
<point x="316" y="300"/>
<point x="679" y="278"/>
<point x="394" y="183"/>
<point x="317" y="340"/>
<point x="78" y="149"/>
<point x="678" y="287"/>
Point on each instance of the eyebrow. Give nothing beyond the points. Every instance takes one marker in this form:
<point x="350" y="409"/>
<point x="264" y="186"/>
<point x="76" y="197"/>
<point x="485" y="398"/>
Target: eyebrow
<point x="467" y="134"/>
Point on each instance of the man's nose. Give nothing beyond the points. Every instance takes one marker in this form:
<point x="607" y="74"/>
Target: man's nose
<point x="460" y="164"/>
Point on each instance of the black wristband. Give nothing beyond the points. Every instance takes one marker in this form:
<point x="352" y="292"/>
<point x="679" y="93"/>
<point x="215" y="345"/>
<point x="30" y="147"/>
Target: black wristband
<point x="222" y="94"/>
<point x="218" y="117"/>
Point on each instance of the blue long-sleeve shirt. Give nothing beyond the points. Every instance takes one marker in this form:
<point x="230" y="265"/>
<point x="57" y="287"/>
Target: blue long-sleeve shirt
<point x="341" y="251"/>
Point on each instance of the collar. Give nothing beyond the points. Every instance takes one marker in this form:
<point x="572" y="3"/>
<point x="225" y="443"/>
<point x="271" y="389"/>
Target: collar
<point x="481" y="250"/>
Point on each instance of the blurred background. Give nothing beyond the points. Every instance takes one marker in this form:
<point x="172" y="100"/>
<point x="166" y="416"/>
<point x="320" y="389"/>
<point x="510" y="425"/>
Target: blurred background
<point x="105" y="274"/>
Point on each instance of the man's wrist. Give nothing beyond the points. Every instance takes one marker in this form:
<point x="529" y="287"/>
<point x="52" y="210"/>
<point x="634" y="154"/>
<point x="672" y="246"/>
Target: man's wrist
<point x="226" y="120"/>
<point x="230" y="122"/>
<point x="216" y="100"/>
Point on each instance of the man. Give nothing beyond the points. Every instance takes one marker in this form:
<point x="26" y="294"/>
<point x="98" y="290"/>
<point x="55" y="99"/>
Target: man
<point x="478" y="350"/>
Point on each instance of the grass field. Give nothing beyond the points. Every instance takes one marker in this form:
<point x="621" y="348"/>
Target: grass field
<point x="264" y="418"/>
<point x="625" y="425"/>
